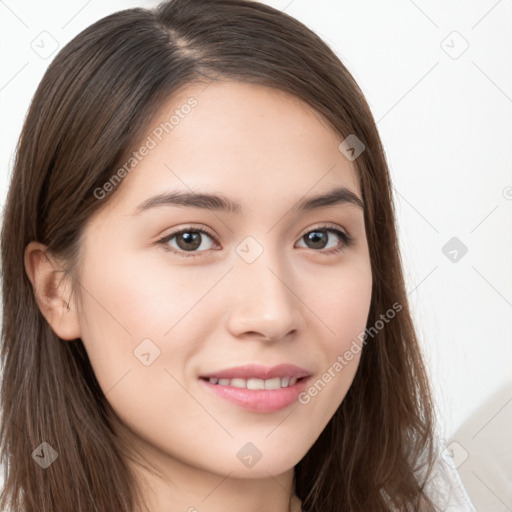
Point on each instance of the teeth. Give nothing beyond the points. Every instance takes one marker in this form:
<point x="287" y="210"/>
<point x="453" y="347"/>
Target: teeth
<point x="255" y="384"/>
<point x="274" y="383"/>
<point x="238" y="383"/>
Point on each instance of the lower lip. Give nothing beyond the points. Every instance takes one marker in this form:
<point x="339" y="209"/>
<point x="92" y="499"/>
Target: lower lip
<point x="259" y="400"/>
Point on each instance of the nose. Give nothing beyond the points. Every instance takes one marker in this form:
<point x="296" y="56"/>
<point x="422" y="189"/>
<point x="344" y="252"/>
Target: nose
<point x="263" y="302"/>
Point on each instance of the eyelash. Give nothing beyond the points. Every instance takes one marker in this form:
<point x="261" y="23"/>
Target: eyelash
<point x="347" y="240"/>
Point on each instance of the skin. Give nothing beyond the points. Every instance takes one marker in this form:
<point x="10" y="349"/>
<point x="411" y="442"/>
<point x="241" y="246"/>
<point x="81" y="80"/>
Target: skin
<point x="295" y="303"/>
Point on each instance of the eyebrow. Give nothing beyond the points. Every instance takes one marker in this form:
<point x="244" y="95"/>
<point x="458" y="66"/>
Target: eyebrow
<point x="337" y="196"/>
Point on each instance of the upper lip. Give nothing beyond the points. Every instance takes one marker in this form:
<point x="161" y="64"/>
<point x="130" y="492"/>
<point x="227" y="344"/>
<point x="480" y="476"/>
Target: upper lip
<point x="256" y="371"/>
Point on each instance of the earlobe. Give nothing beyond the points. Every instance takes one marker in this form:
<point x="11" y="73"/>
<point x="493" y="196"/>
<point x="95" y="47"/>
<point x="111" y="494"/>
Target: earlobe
<point x="52" y="290"/>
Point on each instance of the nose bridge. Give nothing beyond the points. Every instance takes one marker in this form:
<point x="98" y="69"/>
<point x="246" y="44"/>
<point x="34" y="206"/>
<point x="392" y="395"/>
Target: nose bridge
<point x="264" y="301"/>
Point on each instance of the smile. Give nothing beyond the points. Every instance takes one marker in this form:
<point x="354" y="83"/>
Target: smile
<point x="258" y="388"/>
<point x="274" y="383"/>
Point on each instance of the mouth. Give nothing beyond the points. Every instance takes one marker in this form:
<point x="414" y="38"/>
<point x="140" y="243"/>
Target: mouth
<point x="258" y="388"/>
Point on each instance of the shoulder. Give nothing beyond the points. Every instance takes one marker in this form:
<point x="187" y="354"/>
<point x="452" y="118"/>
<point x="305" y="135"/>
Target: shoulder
<point x="444" y="486"/>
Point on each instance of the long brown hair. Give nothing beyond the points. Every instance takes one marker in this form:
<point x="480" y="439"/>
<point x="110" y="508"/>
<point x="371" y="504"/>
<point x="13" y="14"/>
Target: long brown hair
<point x="93" y="104"/>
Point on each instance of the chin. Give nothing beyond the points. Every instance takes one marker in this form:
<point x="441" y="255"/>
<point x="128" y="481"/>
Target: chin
<point x="258" y="459"/>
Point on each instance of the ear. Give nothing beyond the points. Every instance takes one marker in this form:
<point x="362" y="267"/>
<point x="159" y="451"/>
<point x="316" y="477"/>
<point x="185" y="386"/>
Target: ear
<point x="53" y="291"/>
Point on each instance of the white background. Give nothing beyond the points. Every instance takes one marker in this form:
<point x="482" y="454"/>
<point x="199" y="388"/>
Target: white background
<point x="446" y="126"/>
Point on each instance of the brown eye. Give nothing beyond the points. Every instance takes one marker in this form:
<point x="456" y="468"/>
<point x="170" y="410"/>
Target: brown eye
<point x="188" y="240"/>
<point x="318" y="239"/>
<point x="194" y="241"/>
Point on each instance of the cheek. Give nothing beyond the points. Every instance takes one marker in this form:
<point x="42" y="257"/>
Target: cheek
<point x="131" y="308"/>
<point x="139" y="330"/>
<point x="341" y="301"/>
<point x="342" y="310"/>
<point x="138" y="297"/>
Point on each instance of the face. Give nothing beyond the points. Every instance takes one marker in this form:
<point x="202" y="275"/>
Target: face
<point x="268" y="294"/>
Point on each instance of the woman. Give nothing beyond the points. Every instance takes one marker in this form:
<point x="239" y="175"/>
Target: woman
<point x="204" y="306"/>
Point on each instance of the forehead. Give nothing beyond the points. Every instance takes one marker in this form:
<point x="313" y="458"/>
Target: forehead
<point x="247" y="141"/>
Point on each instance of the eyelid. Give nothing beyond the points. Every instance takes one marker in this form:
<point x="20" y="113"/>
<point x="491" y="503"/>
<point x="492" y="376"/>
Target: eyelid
<point x="328" y="227"/>
<point x="348" y="240"/>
